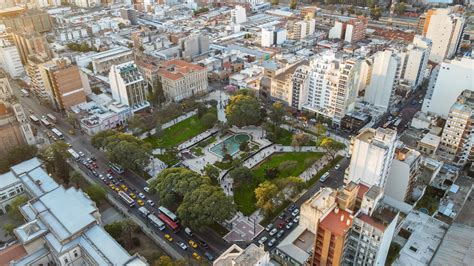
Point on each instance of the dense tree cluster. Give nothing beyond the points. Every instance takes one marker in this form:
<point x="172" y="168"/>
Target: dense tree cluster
<point x="243" y="110"/>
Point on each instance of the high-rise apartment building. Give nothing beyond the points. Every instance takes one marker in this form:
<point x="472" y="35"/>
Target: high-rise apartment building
<point x="63" y="80"/>
<point x="351" y="31"/>
<point x="10" y="59"/>
<point x="37" y="84"/>
<point x="14" y="128"/>
<point x="457" y="140"/>
<point x="128" y="86"/>
<point x="31" y="43"/>
<point x="238" y="15"/>
<point x="299" y="30"/>
<point x="332" y="88"/>
<point x="372" y="153"/>
<point x="181" y="80"/>
<point x="299" y="86"/>
<point x="194" y="45"/>
<point x="373" y="227"/>
<point x="403" y="173"/>
<point x="33" y="19"/>
<point x="445" y="28"/>
<point x="385" y="70"/>
<point x="273" y="36"/>
<point x="414" y="61"/>
<point x="447" y="81"/>
<point x="282" y="85"/>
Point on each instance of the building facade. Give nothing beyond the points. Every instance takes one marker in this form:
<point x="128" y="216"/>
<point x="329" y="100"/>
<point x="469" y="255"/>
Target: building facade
<point x="10" y="59"/>
<point x="403" y="172"/>
<point x="415" y="61"/>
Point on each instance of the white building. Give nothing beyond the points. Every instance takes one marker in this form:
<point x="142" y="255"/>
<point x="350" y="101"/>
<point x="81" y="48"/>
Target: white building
<point x="238" y="15"/>
<point x="252" y="255"/>
<point x="86" y="3"/>
<point x="447" y="82"/>
<point x="47" y="3"/>
<point x="381" y="88"/>
<point x="128" y="86"/>
<point x="333" y="84"/>
<point x="10" y="59"/>
<point x="402" y="175"/>
<point x="299" y="30"/>
<point x="371" y="156"/>
<point x="415" y="61"/>
<point x="445" y="29"/>
<point x="273" y="36"/>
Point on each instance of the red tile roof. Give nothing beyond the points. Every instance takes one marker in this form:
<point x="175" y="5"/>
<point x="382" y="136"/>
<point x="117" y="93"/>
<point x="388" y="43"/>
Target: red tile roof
<point x="14" y="252"/>
<point x="362" y="190"/>
<point x="371" y="221"/>
<point x="332" y="222"/>
<point x="180" y="69"/>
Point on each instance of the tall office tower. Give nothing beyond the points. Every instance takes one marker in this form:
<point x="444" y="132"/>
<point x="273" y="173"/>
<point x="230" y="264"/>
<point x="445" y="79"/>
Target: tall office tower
<point x="385" y="70"/>
<point x="128" y="86"/>
<point x="403" y="173"/>
<point x="10" y="59"/>
<point x="238" y="15"/>
<point x="457" y="140"/>
<point x="373" y="227"/>
<point x="63" y="81"/>
<point x="445" y="28"/>
<point x="332" y="85"/>
<point x="372" y="154"/>
<point x="31" y="43"/>
<point x="448" y="80"/>
<point x="414" y="61"/>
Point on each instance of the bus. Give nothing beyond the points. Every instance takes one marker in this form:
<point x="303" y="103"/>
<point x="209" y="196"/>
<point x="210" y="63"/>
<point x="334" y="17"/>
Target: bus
<point x="117" y="168"/>
<point x="34" y="119"/>
<point x="168" y="213"/>
<point x="144" y="211"/>
<point x="387" y="124"/>
<point x="172" y="225"/>
<point x="52" y="118"/>
<point x="126" y="198"/>
<point x="397" y="123"/>
<point x="46" y="123"/>
<point x="25" y="93"/>
<point x="58" y="133"/>
<point x="74" y="154"/>
<point x="157" y="222"/>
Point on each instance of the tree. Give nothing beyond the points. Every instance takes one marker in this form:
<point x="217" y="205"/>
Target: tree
<point x="275" y="2"/>
<point x="129" y="227"/>
<point x="320" y="129"/>
<point x="17" y="155"/>
<point x="75" y="177"/>
<point x="115" y="229"/>
<point x="14" y="212"/>
<point x="96" y="192"/>
<point x="287" y="167"/>
<point x="72" y="119"/>
<point x="264" y="193"/>
<point x="121" y="25"/>
<point x="241" y="174"/>
<point x="96" y="90"/>
<point x="331" y="146"/>
<point x="400" y="8"/>
<point x="209" y="120"/>
<point x="56" y="156"/>
<point x="136" y="125"/>
<point x="243" y="110"/>
<point x="376" y="13"/>
<point x="296" y="184"/>
<point x="173" y="183"/>
<point x="244" y="146"/>
<point x="293" y="4"/>
<point x="223" y="127"/>
<point x="8" y="228"/>
<point x="158" y="129"/>
<point x="271" y="173"/>
<point x="300" y="139"/>
<point x="350" y="10"/>
<point x="204" y="206"/>
<point x="164" y="261"/>
<point x="212" y="172"/>
<point x="465" y="48"/>
<point x="371" y="3"/>
<point x="277" y="114"/>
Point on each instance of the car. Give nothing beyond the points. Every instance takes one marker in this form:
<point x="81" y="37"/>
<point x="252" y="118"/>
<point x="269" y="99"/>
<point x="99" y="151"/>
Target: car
<point x="337" y="166"/>
<point x="89" y="160"/>
<point x="147" y="189"/>
<point x="204" y="244"/>
<point x="295" y="212"/>
<point x="141" y="195"/>
<point x="209" y="256"/>
<point x="288" y="219"/>
<point x="95" y="165"/>
<point x="420" y="101"/>
<point x="93" y="158"/>
<point x="109" y="176"/>
<point x="272" y="242"/>
<point x="193" y="244"/>
<point x="140" y="202"/>
<point x="31" y="111"/>
<point x="69" y="144"/>
<point x="133" y="196"/>
<point x="274" y="231"/>
<point x="94" y="172"/>
<point x="196" y="256"/>
<point x="280" y="233"/>
<point x="81" y="153"/>
<point x="101" y="177"/>
<point x="281" y="224"/>
<point x="323" y="177"/>
<point x="188" y="231"/>
<point x="183" y="246"/>
<point x="414" y="102"/>
<point x="112" y="186"/>
<point x="150" y="202"/>
<point x="296" y="220"/>
<point x="289" y="225"/>
<point x="168" y="237"/>
<point x="291" y="208"/>
<point x="282" y="216"/>
<point x="109" y="171"/>
<point x="124" y="187"/>
<point x="269" y="227"/>
<point x="262" y="240"/>
<point x="117" y="189"/>
<point x="116" y="182"/>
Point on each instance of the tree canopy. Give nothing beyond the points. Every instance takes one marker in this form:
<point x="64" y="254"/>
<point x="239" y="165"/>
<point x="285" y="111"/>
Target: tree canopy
<point x="241" y="174"/>
<point x="56" y="156"/>
<point x="331" y="146"/>
<point x="205" y="205"/>
<point x="264" y="193"/>
<point x="14" y="213"/>
<point x="96" y="193"/>
<point x="17" y="155"/>
<point x="243" y="110"/>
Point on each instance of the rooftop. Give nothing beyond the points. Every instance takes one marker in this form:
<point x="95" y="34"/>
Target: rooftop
<point x="13" y="252"/>
<point x="457" y="247"/>
<point x="250" y="256"/>
<point x="380" y="218"/>
<point x="337" y="222"/>
<point x="298" y="244"/>
<point x="177" y="69"/>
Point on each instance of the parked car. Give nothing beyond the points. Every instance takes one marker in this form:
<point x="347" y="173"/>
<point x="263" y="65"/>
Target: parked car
<point x="147" y="189"/>
<point x="269" y="227"/>
<point x="272" y="242"/>
<point x="183" y="246"/>
<point x="295" y="212"/>
<point x="262" y="240"/>
<point x="280" y="233"/>
<point x="150" y="202"/>
<point x="209" y="256"/>
<point x="289" y="225"/>
<point x="168" y="237"/>
<point x="274" y="231"/>
<point x="192" y="244"/>
<point x="141" y="195"/>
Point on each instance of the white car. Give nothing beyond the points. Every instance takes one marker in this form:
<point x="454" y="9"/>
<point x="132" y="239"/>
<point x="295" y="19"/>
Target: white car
<point x="295" y="212"/>
<point x="337" y="166"/>
<point x="289" y="225"/>
<point x="183" y="246"/>
<point x="274" y="231"/>
<point x="109" y="176"/>
<point x="262" y="240"/>
<point x="141" y="195"/>
<point x="101" y="177"/>
<point x="147" y="189"/>
<point x="150" y="202"/>
<point x="272" y="242"/>
<point x="81" y="154"/>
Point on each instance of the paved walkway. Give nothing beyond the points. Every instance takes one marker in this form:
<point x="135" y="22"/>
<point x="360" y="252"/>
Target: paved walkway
<point x="190" y="142"/>
<point x="222" y="99"/>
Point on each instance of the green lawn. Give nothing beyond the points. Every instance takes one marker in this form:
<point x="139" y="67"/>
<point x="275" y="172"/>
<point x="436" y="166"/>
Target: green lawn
<point x="244" y="195"/>
<point x="169" y="158"/>
<point x="177" y="134"/>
